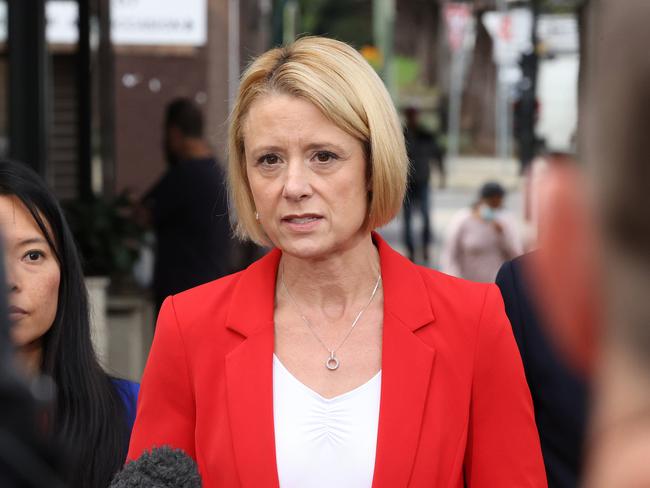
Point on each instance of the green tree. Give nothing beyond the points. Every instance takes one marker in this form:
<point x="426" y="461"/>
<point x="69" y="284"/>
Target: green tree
<point x="346" y="20"/>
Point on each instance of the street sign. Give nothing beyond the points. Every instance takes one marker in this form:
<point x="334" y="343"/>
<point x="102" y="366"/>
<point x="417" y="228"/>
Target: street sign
<point x="511" y="34"/>
<point x="457" y="18"/>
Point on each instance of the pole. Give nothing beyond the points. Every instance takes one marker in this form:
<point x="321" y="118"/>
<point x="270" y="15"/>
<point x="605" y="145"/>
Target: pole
<point x="265" y="8"/>
<point x="106" y="73"/>
<point x="502" y="103"/>
<point x="277" y="19"/>
<point x="383" y="27"/>
<point x="290" y="21"/>
<point x="529" y="66"/>
<point x="84" y="105"/>
<point x="458" y="24"/>
<point x="455" y="103"/>
<point x="27" y="84"/>
<point x="234" y="60"/>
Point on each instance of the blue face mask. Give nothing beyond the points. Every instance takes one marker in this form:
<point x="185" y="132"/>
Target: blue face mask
<point x="487" y="213"/>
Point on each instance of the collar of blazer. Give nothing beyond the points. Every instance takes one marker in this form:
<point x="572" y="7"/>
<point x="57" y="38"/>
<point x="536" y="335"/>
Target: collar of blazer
<point x="405" y="293"/>
<point x="407" y="364"/>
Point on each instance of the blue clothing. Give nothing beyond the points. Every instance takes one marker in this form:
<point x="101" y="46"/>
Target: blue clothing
<point x="128" y="391"/>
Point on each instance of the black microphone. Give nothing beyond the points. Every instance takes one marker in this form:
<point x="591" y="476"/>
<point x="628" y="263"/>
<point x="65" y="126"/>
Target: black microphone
<point x="162" y="467"/>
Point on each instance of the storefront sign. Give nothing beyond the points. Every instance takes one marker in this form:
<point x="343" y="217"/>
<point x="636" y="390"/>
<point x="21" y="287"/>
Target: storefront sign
<point x="159" y="22"/>
<point x="133" y="22"/>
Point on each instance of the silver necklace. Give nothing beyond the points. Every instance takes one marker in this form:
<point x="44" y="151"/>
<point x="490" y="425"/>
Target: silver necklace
<point x="332" y="362"/>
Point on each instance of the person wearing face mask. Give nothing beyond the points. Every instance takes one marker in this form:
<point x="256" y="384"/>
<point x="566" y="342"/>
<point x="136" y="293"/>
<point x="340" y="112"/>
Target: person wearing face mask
<point x="91" y="413"/>
<point x="481" y="238"/>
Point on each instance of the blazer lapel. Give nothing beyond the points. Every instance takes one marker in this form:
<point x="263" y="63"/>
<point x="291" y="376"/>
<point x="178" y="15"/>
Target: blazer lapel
<point x="407" y="363"/>
<point x="249" y="374"/>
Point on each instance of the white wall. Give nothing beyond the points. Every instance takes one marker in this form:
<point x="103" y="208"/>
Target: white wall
<point x="558" y="96"/>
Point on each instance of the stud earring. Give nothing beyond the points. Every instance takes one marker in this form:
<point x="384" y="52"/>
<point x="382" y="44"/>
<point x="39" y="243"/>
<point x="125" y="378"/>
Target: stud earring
<point x="257" y="216"/>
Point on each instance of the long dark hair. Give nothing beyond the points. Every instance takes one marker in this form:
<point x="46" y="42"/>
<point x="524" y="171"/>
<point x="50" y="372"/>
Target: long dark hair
<point x="88" y="416"/>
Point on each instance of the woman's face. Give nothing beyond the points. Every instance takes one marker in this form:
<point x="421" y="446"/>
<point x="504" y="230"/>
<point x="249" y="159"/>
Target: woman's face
<point x="33" y="273"/>
<point x="307" y="177"/>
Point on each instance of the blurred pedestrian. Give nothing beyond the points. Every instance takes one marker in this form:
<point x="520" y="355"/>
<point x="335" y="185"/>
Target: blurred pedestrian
<point x="188" y="207"/>
<point x="481" y="238"/>
<point x="423" y="151"/>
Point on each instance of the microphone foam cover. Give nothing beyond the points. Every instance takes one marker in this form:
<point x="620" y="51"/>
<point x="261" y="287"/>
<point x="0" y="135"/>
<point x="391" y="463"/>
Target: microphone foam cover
<point x="162" y="467"/>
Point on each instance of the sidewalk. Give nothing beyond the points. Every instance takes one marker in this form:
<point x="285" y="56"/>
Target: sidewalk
<point x="465" y="175"/>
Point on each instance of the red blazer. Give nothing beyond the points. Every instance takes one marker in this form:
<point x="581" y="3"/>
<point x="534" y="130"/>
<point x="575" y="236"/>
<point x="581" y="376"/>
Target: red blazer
<point x="454" y="401"/>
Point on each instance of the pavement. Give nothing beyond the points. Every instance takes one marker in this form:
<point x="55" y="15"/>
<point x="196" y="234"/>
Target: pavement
<point x="465" y="175"/>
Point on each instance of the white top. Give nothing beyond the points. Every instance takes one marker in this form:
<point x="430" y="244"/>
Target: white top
<point x="320" y="442"/>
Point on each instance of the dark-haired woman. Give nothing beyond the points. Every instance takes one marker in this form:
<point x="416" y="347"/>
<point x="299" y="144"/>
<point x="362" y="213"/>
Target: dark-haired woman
<point x="92" y="413"/>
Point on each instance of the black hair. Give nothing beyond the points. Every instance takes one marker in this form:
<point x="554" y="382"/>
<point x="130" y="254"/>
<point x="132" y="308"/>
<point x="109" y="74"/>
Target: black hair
<point x="87" y="416"/>
<point x="492" y="189"/>
<point x="184" y="114"/>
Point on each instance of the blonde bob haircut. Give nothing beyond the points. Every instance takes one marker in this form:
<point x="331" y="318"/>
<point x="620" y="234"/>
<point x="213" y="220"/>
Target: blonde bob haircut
<point x="344" y="87"/>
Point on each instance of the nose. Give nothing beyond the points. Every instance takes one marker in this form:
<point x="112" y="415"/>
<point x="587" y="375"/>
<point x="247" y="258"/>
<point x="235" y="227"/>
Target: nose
<point x="297" y="185"/>
<point x="11" y="277"/>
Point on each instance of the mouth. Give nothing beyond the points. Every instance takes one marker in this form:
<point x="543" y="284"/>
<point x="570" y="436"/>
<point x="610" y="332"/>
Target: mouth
<point x="301" y="221"/>
<point x="16" y="313"/>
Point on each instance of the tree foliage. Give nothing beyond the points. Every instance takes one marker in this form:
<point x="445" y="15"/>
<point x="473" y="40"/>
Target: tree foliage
<point x="346" y="20"/>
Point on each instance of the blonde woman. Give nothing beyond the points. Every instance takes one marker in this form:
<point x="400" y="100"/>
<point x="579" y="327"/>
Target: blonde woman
<point x="333" y="361"/>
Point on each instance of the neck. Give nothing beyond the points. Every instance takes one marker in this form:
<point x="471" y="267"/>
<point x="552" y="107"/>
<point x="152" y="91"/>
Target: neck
<point x="30" y="357"/>
<point x="333" y="284"/>
<point x="195" y="148"/>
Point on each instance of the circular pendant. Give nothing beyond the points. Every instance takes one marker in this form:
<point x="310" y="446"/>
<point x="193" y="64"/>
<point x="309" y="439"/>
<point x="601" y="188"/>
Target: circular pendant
<point x="332" y="363"/>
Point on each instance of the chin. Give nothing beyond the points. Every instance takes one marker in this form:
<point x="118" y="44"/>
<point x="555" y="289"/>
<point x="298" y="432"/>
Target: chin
<point x="19" y="338"/>
<point x="316" y="247"/>
<point x="303" y="246"/>
<point x="305" y="250"/>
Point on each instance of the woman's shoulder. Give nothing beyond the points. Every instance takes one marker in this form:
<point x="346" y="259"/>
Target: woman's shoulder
<point x="466" y="301"/>
<point x="213" y="298"/>
<point x="411" y="281"/>
<point x="207" y="293"/>
<point x="208" y="309"/>
<point x="218" y="286"/>
<point x="203" y="306"/>
<point x="464" y="309"/>
<point x="444" y="284"/>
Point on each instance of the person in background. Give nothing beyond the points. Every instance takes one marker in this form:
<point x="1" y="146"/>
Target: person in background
<point x="92" y="413"/>
<point x="481" y="238"/>
<point x="423" y="151"/>
<point x="559" y="390"/>
<point x="333" y="360"/>
<point x="188" y="208"/>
